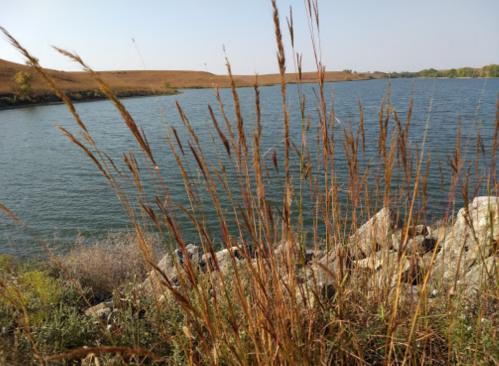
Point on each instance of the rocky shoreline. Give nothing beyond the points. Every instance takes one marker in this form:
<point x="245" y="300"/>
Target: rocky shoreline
<point x="457" y="257"/>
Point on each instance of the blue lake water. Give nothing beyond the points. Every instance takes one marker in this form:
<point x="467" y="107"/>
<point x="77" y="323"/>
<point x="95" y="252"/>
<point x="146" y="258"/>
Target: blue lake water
<point x="52" y="186"/>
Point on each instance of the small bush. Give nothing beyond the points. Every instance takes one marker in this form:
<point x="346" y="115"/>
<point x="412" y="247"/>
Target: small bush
<point x="6" y="263"/>
<point x="107" y="265"/>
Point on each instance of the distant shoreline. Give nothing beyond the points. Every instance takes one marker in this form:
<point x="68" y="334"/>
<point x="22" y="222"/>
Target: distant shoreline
<point x="55" y="100"/>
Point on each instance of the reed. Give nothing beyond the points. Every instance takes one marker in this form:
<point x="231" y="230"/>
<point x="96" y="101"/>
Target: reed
<point x="266" y="304"/>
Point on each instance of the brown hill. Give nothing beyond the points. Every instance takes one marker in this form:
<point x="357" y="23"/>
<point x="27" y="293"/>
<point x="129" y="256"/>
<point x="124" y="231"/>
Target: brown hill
<point x="146" y="80"/>
<point x="117" y="80"/>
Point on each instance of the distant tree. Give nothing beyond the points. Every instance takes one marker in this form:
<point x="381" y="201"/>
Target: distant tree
<point x="490" y="71"/>
<point x="429" y="73"/>
<point x="467" y="72"/>
<point x="407" y="74"/>
<point x="347" y="71"/>
<point x="23" y="84"/>
<point x="451" y="73"/>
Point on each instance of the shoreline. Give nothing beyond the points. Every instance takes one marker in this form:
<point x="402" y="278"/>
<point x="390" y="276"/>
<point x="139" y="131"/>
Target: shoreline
<point x="147" y="94"/>
<point x="144" y="94"/>
<point x="126" y="95"/>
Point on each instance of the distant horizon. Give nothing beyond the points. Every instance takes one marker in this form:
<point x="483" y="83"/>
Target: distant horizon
<point x="287" y="71"/>
<point x="386" y="36"/>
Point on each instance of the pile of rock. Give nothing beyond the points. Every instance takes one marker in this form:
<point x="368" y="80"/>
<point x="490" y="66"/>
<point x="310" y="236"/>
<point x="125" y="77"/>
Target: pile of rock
<point x="446" y="257"/>
<point x="462" y="255"/>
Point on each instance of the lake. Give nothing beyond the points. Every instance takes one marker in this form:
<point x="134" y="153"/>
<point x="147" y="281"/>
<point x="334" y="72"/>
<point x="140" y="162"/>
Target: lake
<point x="53" y="187"/>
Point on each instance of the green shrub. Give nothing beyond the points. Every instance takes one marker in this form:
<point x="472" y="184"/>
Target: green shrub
<point x="23" y="84"/>
<point x="6" y="263"/>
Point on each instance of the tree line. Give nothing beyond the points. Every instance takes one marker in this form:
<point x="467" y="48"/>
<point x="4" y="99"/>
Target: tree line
<point x="490" y="71"/>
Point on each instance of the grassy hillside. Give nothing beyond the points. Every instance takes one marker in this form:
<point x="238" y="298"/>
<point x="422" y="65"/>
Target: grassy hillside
<point x="130" y="83"/>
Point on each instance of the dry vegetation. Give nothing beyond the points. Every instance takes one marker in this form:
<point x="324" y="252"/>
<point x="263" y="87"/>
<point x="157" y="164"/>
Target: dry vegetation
<point x="258" y="309"/>
<point x="120" y="81"/>
<point x="109" y="264"/>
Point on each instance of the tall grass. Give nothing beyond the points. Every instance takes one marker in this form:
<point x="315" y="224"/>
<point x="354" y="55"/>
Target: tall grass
<point x="271" y="306"/>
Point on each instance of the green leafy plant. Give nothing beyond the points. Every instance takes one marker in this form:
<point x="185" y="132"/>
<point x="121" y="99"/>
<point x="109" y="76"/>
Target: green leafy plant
<point x="23" y="84"/>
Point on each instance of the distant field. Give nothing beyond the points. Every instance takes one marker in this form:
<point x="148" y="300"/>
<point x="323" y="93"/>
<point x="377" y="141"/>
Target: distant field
<point x="121" y="81"/>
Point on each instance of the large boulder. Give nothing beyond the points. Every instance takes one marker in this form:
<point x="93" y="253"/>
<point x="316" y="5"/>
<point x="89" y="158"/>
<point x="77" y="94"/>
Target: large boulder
<point x="172" y="265"/>
<point x="419" y="240"/>
<point x="481" y="275"/>
<point x="373" y="235"/>
<point x="224" y="259"/>
<point x="472" y="239"/>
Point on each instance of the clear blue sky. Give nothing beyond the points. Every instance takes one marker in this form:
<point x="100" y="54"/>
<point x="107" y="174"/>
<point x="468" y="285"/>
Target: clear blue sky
<point x="363" y="35"/>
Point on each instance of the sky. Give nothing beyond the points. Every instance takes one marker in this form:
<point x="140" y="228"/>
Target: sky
<point x="361" y="35"/>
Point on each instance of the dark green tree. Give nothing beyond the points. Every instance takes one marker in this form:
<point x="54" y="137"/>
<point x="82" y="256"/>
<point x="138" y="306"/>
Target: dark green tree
<point x="490" y="71"/>
<point x="466" y="72"/>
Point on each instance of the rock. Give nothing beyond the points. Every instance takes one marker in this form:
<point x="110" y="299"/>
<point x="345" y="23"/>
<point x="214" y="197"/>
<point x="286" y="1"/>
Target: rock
<point x="194" y="252"/>
<point x="481" y="275"/>
<point x="386" y="266"/>
<point x="376" y="260"/>
<point x="326" y="270"/>
<point x="374" y="234"/>
<point x="168" y="266"/>
<point x="420" y="245"/>
<point x="223" y="259"/>
<point x="470" y="239"/>
<point x="311" y="254"/>
<point x="420" y="240"/>
<point x="425" y="261"/>
<point x="102" y="310"/>
<point x="441" y="233"/>
<point x="407" y="293"/>
<point x="413" y="275"/>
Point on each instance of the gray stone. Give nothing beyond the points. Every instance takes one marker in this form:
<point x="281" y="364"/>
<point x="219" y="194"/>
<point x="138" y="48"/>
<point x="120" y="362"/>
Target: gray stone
<point x="481" y="275"/>
<point x="470" y="240"/>
<point x="377" y="260"/>
<point x="407" y="293"/>
<point x="419" y="240"/>
<point x="374" y="234"/>
<point x="102" y="310"/>
<point x="224" y="259"/>
<point x="169" y="264"/>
